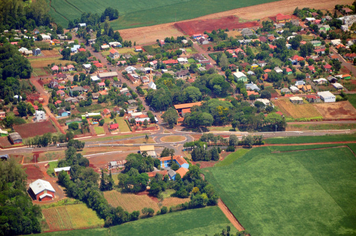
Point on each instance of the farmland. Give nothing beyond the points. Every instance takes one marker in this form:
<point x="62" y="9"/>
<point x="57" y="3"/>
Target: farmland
<point x="296" y="111"/>
<point x="339" y="110"/>
<point x="71" y="217"/>
<point x="33" y="129"/>
<point x="312" y="139"/>
<point x="352" y="99"/>
<point x="137" y="13"/>
<point x="290" y="193"/>
<point x="209" y="220"/>
<point x="45" y="61"/>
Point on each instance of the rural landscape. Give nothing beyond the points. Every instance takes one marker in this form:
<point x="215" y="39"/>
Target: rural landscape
<point x="178" y="117"/>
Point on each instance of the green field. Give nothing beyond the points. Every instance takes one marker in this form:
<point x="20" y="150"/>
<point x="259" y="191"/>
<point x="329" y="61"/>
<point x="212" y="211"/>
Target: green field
<point x="352" y="99"/>
<point x="122" y="124"/>
<point x="99" y="130"/>
<point x="290" y="193"/>
<point x="209" y="220"/>
<point x="312" y="139"/>
<point x="138" y="13"/>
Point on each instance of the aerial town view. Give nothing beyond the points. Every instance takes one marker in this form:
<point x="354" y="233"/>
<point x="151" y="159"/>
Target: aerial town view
<point x="156" y="118"/>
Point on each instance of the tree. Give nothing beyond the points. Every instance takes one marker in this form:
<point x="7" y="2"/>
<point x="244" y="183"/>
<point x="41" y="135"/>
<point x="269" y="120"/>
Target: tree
<point x="266" y="94"/>
<point x="191" y="94"/>
<point x="248" y="141"/>
<point x="146" y="136"/>
<point x="233" y="140"/>
<point x="22" y="109"/>
<point x="66" y="53"/>
<point x="145" y="123"/>
<point x="69" y="136"/>
<point x="224" y="62"/>
<point x="101" y="122"/>
<point x="170" y="117"/>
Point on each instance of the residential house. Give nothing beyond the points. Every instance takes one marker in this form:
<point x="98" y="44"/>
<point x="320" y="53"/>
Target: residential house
<point x="36" y="51"/>
<point x="182" y="60"/>
<point x="106" y="112"/>
<point x="130" y="69"/>
<point x="71" y="68"/>
<point x="95" y="78"/>
<point x="306" y="88"/>
<point x="320" y="81"/>
<point x="296" y="59"/>
<point x="138" y="49"/>
<point x="247" y="32"/>
<point x="87" y="67"/>
<point x="108" y="75"/>
<point x="240" y="76"/>
<point x="262" y="63"/>
<point x="251" y="86"/>
<point x="294" y="89"/>
<point x="41" y="190"/>
<point x="198" y="57"/>
<point x="254" y="66"/>
<point x="289" y="71"/>
<point x="316" y="43"/>
<point x="63" y="113"/>
<point x="152" y="85"/>
<point x="15" y="138"/>
<point x="71" y="99"/>
<point x="326" y="96"/>
<point x="338" y="86"/>
<point x="53" y="84"/>
<point x="285" y="91"/>
<point x="170" y="62"/>
<point x="332" y="79"/>
<point x="299" y="82"/>
<point x="114" y="126"/>
<point x="327" y="67"/>
<point x="117" y="84"/>
<point x="313" y="98"/>
<point x="265" y="101"/>
<point x="145" y="79"/>
<point x="65" y="169"/>
<point x="133" y="78"/>
<point x="180" y="107"/>
<point x="75" y="48"/>
<point x="75" y="120"/>
<point x="55" y="68"/>
<point x="182" y="74"/>
<point x="101" y="86"/>
<point x="114" y="54"/>
<point x="95" y="95"/>
<point x="280" y="18"/>
<point x="278" y="70"/>
<point x="324" y="28"/>
<point x="40" y="116"/>
<point x="2" y="115"/>
<point x="79" y="89"/>
<point x="104" y="47"/>
<point x="296" y="100"/>
<point x="115" y="44"/>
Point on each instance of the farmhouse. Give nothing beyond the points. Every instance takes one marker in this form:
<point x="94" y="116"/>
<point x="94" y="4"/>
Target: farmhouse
<point x="65" y="169"/>
<point x="15" y="138"/>
<point x="296" y="100"/>
<point x="326" y="96"/>
<point x="41" y="190"/>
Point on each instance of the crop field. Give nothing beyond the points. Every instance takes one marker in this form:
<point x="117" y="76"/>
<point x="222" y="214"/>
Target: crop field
<point x="203" y="221"/>
<point x="296" y="192"/>
<point x="45" y="61"/>
<point x="300" y="127"/>
<point x="39" y="72"/>
<point x="137" y="13"/>
<point x="296" y="111"/>
<point x="336" y="110"/>
<point x="33" y="129"/>
<point x="71" y="217"/>
<point x="352" y="99"/>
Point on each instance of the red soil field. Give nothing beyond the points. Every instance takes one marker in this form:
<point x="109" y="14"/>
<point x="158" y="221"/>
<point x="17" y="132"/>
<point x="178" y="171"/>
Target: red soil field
<point x="199" y="26"/>
<point x="33" y="129"/>
<point x="33" y="172"/>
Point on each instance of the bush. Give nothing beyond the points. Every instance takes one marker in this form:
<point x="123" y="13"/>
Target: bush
<point x="73" y="126"/>
<point x="230" y="149"/>
<point x="164" y="210"/>
<point x="101" y="122"/>
<point x="19" y="121"/>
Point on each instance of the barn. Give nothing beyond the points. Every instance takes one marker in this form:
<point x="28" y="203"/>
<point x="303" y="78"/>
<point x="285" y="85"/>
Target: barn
<point x="41" y="190"/>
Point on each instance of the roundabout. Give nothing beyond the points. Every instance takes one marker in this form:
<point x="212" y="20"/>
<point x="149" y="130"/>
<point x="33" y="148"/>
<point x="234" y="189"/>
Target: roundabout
<point x="173" y="139"/>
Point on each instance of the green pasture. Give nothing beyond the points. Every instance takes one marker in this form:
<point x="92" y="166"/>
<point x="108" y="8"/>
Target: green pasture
<point x="312" y="139"/>
<point x="138" y="13"/>
<point x="305" y="192"/>
<point x="352" y="99"/>
<point x="209" y="220"/>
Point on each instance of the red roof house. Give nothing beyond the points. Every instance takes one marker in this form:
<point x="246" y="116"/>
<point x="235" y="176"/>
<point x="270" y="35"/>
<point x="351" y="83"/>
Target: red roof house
<point x="114" y="126"/>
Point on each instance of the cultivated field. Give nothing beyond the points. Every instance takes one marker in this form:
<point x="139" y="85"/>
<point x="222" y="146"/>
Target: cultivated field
<point x="290" y="193"/>
<point x="296" y="111"/>
<point x="40" y="62"/>
<point x="68" y="217"/>
<point x="33" y="129"/>
<point x="352" y="99"/>
<point x="337" y="110"/>
<point x="312" y="139"/>
<point x="204" y="221"/>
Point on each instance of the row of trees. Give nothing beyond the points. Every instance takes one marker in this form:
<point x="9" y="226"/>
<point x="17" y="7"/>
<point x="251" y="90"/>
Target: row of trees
<point x="48" y="139"/>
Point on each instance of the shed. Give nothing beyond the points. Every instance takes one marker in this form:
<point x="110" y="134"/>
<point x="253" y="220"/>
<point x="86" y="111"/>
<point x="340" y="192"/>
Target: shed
<point x="15" y="138"/>
<point x="41" y="190"/>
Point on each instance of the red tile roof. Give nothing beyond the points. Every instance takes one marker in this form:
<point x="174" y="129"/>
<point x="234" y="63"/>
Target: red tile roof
<point x="282" y="17"/>
<point x="113" y="51"/>
<point x="187" y="105"/>
<point x="114" y="126"/>
<point x="171" y="61"/>
<point x="82" y="50"/>
<point x="182" y="171"/>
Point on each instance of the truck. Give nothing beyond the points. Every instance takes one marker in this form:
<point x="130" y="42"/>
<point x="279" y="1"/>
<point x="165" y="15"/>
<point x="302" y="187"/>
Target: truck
<point x="61" y="145"/>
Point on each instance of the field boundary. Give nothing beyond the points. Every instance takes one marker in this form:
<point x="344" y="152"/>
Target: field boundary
<point x="230" y="216"/>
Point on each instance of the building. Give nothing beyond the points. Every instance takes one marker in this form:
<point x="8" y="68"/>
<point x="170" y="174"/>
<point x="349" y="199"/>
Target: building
<point x="114" y="54"/>
<point x="306" y="88"/>
<point x="36" y="51"/>
<point x="285" y="91"/>
<point x="182" y="74"/>
<point x="338" y="86"/>
<point x="265" y="101"/>
<point x="40" y="116"/>
<point x="65" y="169"/>
<point x="239" y="76"/>
<point x="280" y="18"/>
<point x="41" y="190"/>
<point x="114" y="126"/>
<point x="180" y="161"/>
<point x="108" y="75"/>
<point x="179" y="107"/>
<point x="252" y="87"/>
<point x="327" y="96"/>
<point x="117" y="84"/>
<point x="296" y="100"/>
<point x="152" y="85"/>
<point x="312" y="98"/>
<point x="320" y="81"/>
<point x="15" y="138"/>
<point x="63" y="113"/>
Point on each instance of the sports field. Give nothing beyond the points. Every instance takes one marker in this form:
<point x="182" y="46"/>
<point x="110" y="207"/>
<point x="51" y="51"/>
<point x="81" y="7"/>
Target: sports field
<point x="71" y="217"/>
<point x="290" y="193"/>
<point x="137" y="13"/>
<point x="209" y="220"/>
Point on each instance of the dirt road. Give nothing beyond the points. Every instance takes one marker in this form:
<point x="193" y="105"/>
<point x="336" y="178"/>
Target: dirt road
<point x="147" y="35"/>
<point x="230" y="216"/>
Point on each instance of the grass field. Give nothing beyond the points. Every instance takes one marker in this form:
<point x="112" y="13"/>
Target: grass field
<point x="312" y="139"/>
<point x="297" y="127"/>
<point x="294" y="193"/>
<point x="44" y="61"/>
<point x="352" y="99"/>
<point x="71" y="217"/>
<point x="137" y="13"/>
<point x="232" y="157"/>
<point x="122" y="124"/>
<point x="99" y="130"/>
<point x="39" y="72"/>
<point x="296" y="111"/>
<point x="204" y="221"/>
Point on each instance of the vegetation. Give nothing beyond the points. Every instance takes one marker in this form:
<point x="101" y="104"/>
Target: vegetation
<point x="17" y="213"/>
<point x="283" y="183"/>
<point x="206" y="221"/>
<point x="312" y="139"/>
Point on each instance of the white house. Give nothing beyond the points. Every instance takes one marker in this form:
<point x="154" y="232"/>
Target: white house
<point x="265" y="101"/>
<point x="240" y="76"/>
<point x="95" y="78"/>
<point x="45" y="37"/>
<point x="182" y="60"/>
<point x="82" y="24"/>
<point x="278" y="70"/>
<point x="326" y="96"/>
<point x="293" y="89"/>
<point x="152" y="85"/>
<point x="105" y="46"/>
<point x="320" y="81"/>
<point x="40" y="116"/>
<point x="338" y="86"/>
<point x="87" y="66"/>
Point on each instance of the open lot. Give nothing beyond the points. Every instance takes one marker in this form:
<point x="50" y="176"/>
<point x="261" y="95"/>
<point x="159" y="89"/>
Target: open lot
<point x="68" y="217"/>
<point x="296" y="111"/>
<point x="122" y="125"/>
<point x="33" y="129"/>
<point x="39" y="62"/>
<point x="336" y="110"/>
<point x="290" y="193"/>
<point x="204" y="221"/>
<point x="33" y="172"/>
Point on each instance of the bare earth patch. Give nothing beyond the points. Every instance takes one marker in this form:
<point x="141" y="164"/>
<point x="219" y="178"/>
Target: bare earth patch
<point x="173" y="138"/>
<point x="338" y="110"/>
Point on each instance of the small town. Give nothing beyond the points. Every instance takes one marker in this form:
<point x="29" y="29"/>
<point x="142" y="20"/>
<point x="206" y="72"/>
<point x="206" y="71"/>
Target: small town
<point x="244" y="121"/>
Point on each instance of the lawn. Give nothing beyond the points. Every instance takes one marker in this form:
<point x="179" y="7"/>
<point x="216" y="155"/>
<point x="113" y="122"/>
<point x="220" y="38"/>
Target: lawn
<point x="52" y="165"/>
<point x="290" y="193"/>
<point x="232" y="157"/>
<point x="138" y="13"/>
<point x="122" y="125"/>
<point x="352" y="99"/>
<point x="71" y="217"/>
<point x="173" y="138"/>
<point x="99" y="130"/>
<point x="204" y="221"/>
<point x="312" y="139"/>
